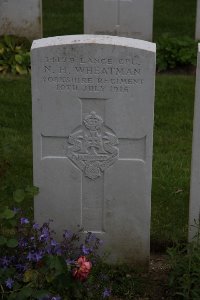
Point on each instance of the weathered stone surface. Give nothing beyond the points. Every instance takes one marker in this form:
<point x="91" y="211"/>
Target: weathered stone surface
<point x="194" y="210"/>
<point x="93" y="100"/>
<point x="197" y="31"/>
<point x="21" y="18"/>
<point x="128" y="18"/>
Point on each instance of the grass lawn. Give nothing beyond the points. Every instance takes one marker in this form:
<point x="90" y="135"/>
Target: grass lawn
<point x="172" y="150"/>
<point x="62" y="17"/>
<point x="172" y="155"/>
<point x="176" y="17"/>
<point x="15" y="136"/>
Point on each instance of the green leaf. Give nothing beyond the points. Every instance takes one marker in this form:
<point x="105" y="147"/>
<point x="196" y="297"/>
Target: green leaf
<point x="12" y="223"/>
<point x="12" y="296"/>
<point x="8" y="213"/>
<point x="3" y="240"/>
<point x="25" y="292"/>
<point x="30" y="275"/>
<point x="21" y="70"/>
<point x="19" y="58"/>
<point x="32" y="190"/>
<point x="26" y="59"/>
<point x="40" y="294"/>
<point x="3" y="68"/>
<point x="12" y="243"/>
<point x="55" y="263"/>
<point x="18" y="49"/>
<point x="19" y="196"/>
<point x="2" y="50"/>
<point x="50" y="277"/>
<point x="9" y="41"/>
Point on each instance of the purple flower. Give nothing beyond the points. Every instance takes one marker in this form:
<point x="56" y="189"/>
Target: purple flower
<point x="53" y="243"/>
<point x="43" y="237"/>
<point x="50" y="298"/>
<point x="24" y="221"/>
<point x="20" y="267"/>
<point x="106" y="293"/>
<point x="4" y="262"/>
<point x="37" y="256"/>
<point x="85" y="250"/>
<point x="36" y="226"/>
<point x="34" y="256"/>
<point x="9" y="283"/>
<point x="30" y="256"/>
<point x="48" y="249"/>
<point x="22" y="243"/>
<point x="45" y="230"/>
<point x="45" y="234"/>
<point x="67" y="234"/>
<point x="90" y="237"/>
<point x="58" y="250"/>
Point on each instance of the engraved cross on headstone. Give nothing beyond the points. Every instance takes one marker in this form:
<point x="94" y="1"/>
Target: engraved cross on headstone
<point x="93" y="147"/>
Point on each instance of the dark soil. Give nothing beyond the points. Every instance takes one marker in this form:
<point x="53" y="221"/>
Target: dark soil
<point x="154" y="283"/>
<point x="183" y="70"/>
<point x="158" y="279"/>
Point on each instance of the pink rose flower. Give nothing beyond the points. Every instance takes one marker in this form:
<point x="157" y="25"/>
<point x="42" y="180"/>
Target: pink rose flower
<point x="83" y="268"/>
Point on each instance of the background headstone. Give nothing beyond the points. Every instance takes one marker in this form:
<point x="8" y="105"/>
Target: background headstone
<point x="93" y="102"/>
<point x="197" y="32"/>
<point x="128" y="18"/>
<point x="194" y="210"/>
<point x="21" y="18"/>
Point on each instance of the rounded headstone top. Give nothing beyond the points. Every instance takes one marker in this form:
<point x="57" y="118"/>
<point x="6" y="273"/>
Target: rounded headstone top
<point x="94" y="39"/>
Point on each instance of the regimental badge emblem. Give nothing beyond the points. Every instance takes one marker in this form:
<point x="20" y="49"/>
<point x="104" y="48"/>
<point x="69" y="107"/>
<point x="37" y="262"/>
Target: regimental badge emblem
<point x="92" y="147"/>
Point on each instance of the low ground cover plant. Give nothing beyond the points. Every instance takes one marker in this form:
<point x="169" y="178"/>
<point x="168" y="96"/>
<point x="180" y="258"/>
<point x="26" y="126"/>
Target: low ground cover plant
<point x="14" y="55"/>
<point x="33" y="265"/>
<point x="173" y="52"/>
<point x="185" y="269"/>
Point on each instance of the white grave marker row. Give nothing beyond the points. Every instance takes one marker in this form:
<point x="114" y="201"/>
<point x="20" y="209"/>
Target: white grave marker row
<point x="21" y="18"/>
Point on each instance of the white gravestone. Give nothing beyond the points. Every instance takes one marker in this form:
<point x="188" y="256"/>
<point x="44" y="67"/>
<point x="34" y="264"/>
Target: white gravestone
<point x="129" y="18"/>
<point x="197" y="32"/>
<point x="93" y="102"/>
<point x="194" y="209"/>
<point x="21" y="18"/>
